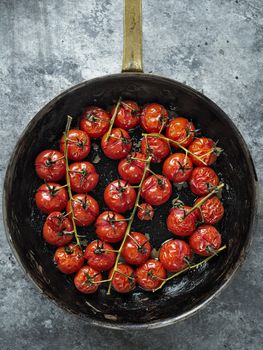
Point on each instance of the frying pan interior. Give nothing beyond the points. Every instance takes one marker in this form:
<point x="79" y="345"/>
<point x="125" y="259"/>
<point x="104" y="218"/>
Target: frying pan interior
<point x="179" y="297"/>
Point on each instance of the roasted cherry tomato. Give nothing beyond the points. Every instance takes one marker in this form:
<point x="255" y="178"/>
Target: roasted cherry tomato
<point x="119" y="196"/>
<point x="78" y="144"/>
<point x="100" y="255"/>
<point x="85" y="209"/>
<point x="83" y="177"/>
<point x="145" y="211"/>
<point x="178" y="167"/>
<point x="51" y="197"/>
<point x="69" y="258"/>
<point x="87" y="280"/>
<point x="175" y="255"/>
<point x="155" y="147"/>
<point x="58" y="229"/>
<point x="131" y="169"/>
<point x="50" y="165"/>
<point x="123" y="280"/>
<point x="205" y="149"/>
<point x="180" y="224"/>
<point x="156" y="190"/>
<point x="136" y="249"/>
<point x="203" y="180"/>
<point x="150" y="275"/>
<point x="211" y="211"/>
<point x="95" y="122"/>
<point x="205" y="241"/>
<point x="180" y="130"/>
<point x="118" y="145"/>
<point x="111" y="226"/>
<point x="128" y="115"/>
<point x="154" y="118"/>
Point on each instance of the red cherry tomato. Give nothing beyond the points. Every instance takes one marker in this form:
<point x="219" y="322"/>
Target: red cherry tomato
<point x="95" y="121"/>
<point x="156" y="190"/>
<point x="180" y="130"/>
<point x="202" y="180"/>
<point x="211" y="211"/>
<point x="145" y="211"/>
<point x="154" y="118"/>
<point x="206" y="240"/>
<point x="69" y="259"/>
<point x="119" y="144"/>
<point x="150" y="275"/>
<point x="136" y="249"/>
<point x="83" y="177"/>
<point x="132" y="170"/>
<point x="205" y="149"/>
<point x="178" y="167"/>
<point x="110" y="226"/>
<point x="50" y="165"/>
<point x="155" y="147"/>
<point x="51" y="197"/>
<point x="119" y="196"/>
<point x="179" y="224"/>
<point x="57" y="229"/>
<point x="175" y="255"/>
<point x="85" y="209"/>
<point x="100" y="255"/>
<point x="87" y="280"/>
<point x="123" y="280"/>
<point x="78" y="144"/>
<point x="128" y="115"/>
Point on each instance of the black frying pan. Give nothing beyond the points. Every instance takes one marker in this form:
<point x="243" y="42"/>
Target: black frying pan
<point x="182" y="296"/>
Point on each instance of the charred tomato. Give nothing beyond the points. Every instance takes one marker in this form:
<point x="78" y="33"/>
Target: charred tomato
<point x="206" y="149"/>
<point x="150" y="275"/>
<point x="123" y="280"/>
<point x="211" y="211"/>
<point x="206" y="240"/>
<point x="87" y="280"/>
<point x="203" y="180"/>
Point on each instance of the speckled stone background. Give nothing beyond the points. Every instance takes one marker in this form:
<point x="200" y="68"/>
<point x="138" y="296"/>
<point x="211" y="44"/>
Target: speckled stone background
<point x="214" y="46"/>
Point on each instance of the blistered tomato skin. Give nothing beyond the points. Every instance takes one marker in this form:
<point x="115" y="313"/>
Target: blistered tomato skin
<point x="175" y="255"/>
<point x="154" y="118"/>
<point x="150" y="275"/>
<point x="50" y="165"/>
<point x="95" y="122"/>
<point x="211" y="211"/>
<point x="181" y="130"/>
<point x="136" y="249"/>
<point x="206" y="240"/>
<point x="155" y="147"/>
<point x="100" y="255"/>
<point x="156" y="190"/>
<point x="78" y="144"/>
<point x="145" y="212"/>
<point x="128" y="116"/>
<point x="87" y="280"/>
<point x="118" y="145"/>
<point x="203" y="180"/>
<point x="111" y="226"/>
<point x="83" y="177"/>
<point x="179" y="224"/>
<point x="57" y="229"/>
<point x="178" y="167"/>
<point x="132" y="170"/>
<point x="51" y="197"/>
<point x="124" y="280"/>
<point x="119" y="196"/>
<point x="85" y="209"/>
<point x="205" y="149"/>
<point x="69" y="259"/>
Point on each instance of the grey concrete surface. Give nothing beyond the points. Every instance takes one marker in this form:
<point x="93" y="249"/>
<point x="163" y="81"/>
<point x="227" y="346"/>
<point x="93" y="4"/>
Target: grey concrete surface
<point x="213" y="45"/>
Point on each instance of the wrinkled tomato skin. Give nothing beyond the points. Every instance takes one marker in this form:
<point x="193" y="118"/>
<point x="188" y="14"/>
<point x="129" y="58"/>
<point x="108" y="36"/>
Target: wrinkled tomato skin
<point x="120" y="282"/>
<point x="118" y="145"/>
<point x="174" y="255"/>
<point x="150" y="275"/>
<point x="132" y="170"/>
<point x="81" y="282"/>
<point x="156" y="193"/>
<point x="95" y="122"/>
<point x="50" y="165"/>
<point x="83" y="177"/>
<point x="136" y="249"/>
<point x="48" y="201"/>
<point x="99" y="259"/>
<point x="54" y="227"/>
<point x="180" y="226"/>
<point x="78" y="144"/>
<point x="155" y="147"/>
<point x="200" y="147"/>
<point x="145" y="212"/>
<point x="85" y="209"/>
<point x="119" y="196"/>
<point x="178" y="167"/>
<point x="205" y="236"/>
<point x="154" y="117"/>
<point x="211" y="211"/>
<point x="180" y="130"/>
<point x="128" y="116"/>
<point x="109" y="230"/>
<point x="71" y="261"/>
<point x="201" y="179"/>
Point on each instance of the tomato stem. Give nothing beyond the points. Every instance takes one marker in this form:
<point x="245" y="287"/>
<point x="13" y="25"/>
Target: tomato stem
<point x="113" y="119"/>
